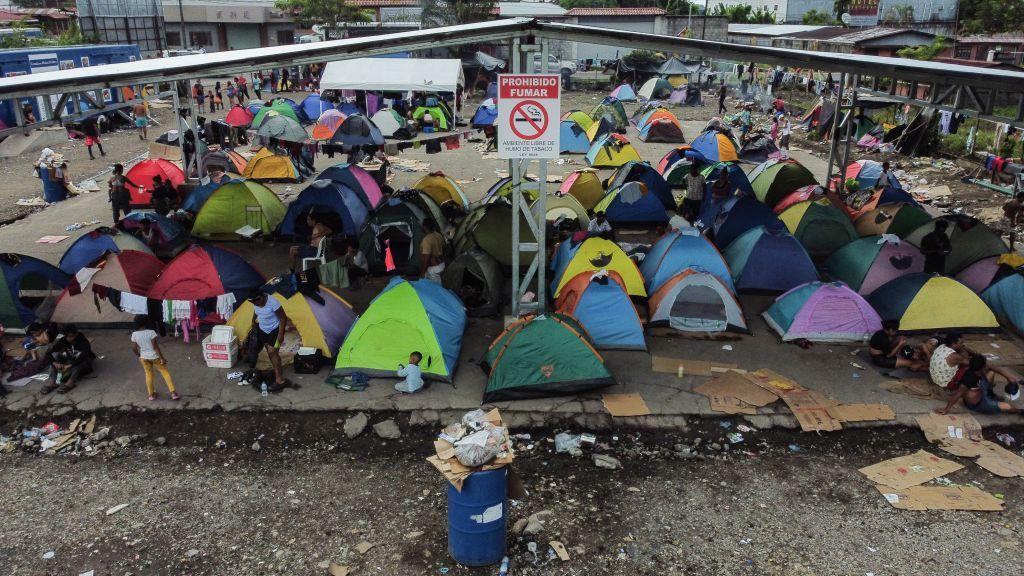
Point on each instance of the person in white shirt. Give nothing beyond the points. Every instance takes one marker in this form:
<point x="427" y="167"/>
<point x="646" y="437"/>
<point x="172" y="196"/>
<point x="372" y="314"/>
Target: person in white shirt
<point x="695" y="185"/>
<point x="599" y="226"/>
<point x="144" y="346"/>
<point x="412" y="373"/>
<point x="787" y="130"/>
<point x="270" y="322"/>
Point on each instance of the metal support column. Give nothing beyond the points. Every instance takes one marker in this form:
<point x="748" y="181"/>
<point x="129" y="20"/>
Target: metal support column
<point x="180" y="125"/>
<point x="849" y="125"/>
<point x="835" y="130"/>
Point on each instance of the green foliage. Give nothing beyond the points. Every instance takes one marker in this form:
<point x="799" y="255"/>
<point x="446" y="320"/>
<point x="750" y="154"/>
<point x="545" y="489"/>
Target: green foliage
<point x="991" y="16"/>
<point x="901" y="15"/>
<point x="641" y="59"/>
<point x="744" y="14"/>
<point x="570" y="4"/>
<point x="330" y="13"/>
<point x="680" y="7"/>
<point x="925" y="52"/>
<point x="17" y="39"/>
<point x="449" y="13"/>
<point x="815" y="18"/>
<point x="840" y="7"/>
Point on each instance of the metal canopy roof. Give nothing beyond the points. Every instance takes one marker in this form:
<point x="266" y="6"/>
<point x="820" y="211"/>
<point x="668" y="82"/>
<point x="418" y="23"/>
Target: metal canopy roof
<point x="239" y="61"/>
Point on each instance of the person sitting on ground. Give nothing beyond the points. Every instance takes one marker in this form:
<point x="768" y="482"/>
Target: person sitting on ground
<point x="431" y="252"/>
<point x="164" y="197"/>
<point x="779" y="105"/>
<point x="889" y="349"/>
<point x="412" y="373"/>
<point x="70" y="358"/>
<point x="269" y="321"/>
<point x="936" y="246"/>
<point x="976" y="389"/>
<point x="947" y="360"/>
<point x="148" y="233"/>
<point x="37" y="345"/>
<point x="318" y="231"/>
<point x="355" y="263"/>
<point x="217" y="175"/>
<point x="600" y="227"/>
<point x="146" y="348"/>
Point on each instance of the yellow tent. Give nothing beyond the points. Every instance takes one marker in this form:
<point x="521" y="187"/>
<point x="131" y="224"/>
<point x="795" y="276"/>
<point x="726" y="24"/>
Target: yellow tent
<point x="583" y="185"/>
<point x="321" y="326"/>
<point x="581" y="118"/>
<point x="266" y="165"/>
<point x="442" y="189"/>
<point x="612" y="151"/>
<point x="559" y="206"/>
<point x="592" y="255"/>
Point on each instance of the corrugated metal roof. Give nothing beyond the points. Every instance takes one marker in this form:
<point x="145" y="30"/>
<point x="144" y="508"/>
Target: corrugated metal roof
<point x="540" y="9"/>
<point x="773" y="29"/>
<point x="616" y="12"/>
<point x="866" y="34"/>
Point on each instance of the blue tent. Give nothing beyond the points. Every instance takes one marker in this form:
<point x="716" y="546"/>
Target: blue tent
<point x="573" y="138"/>
<point x="492" y="90"/>
<point x="624" y="93"/>
<point x="172" y="236"/>
<point x="200" y="194"/>
<point x="20" y="274"/>
<point x="312" y="107"/>
<point x="1005" y="299"/>
<point x="357" y="179"/>
<point x="325" y="196"/>
<point x="631" y="203"/>
<point x="486" y="114"/>
<point x="600" y="303"/>
<point x="677" y="251"/>
<point x="739" y="214"/>
<point x="92" y="246"/>
<point x="716" y="146"/>
<point x="348" y="109"/>
<point x="644" y="173"/>
<point x="895" y="194"/>
<point x="254" y="107"/>
<point x="768" y="261"/>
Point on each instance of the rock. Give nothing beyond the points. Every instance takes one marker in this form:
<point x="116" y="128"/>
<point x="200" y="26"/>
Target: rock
<point x="355" y="425"/>
<point x="387" y="429"/>
<point x="520" y="525"/>
<point x="534" y="523"/>
<point x="192" y="553"/>
<point x="1004" y="532"/>
<point x="715" y="446"/>
<point x="256" y="446"/>
<point x="323" y="565"/>
<point x="100" y="435"/>
<point x="160" y="441"/>
<point x="607" y="462"/>
<point x="123" y="441"/>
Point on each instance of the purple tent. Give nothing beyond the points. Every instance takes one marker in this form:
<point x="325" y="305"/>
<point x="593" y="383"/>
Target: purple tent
<point x="979" y="275"/>
<point x="823" y="312"/>
<point x="678" y="96"/>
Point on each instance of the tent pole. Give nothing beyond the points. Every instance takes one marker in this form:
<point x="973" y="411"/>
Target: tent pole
<point x="517" y="179"/>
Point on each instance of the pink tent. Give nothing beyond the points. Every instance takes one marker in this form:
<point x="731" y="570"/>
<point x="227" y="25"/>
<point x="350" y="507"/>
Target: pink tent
<point x="979" y="275"/>
<point x="823" y="312"/>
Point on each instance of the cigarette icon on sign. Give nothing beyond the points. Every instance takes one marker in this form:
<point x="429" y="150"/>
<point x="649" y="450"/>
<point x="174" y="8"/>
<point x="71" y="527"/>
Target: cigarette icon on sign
<point x="530" y="113"/>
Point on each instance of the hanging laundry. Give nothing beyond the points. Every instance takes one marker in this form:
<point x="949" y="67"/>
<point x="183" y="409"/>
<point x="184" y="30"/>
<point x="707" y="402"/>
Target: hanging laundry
<point x="944" y="118"/>
<point x="225" y="305"/>
<point x="133" y="303"/>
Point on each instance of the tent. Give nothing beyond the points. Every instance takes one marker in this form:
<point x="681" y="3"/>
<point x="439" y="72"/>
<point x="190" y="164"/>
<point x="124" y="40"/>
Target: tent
<point x="758" y="148"/>
<point x="662" y="130"/>
<point x="419" y="316"/>
<point x="203" y="272"/>
<point x="591" y="255"/>
<point x="599" y="128"/>
<point x="431" y="75"/>
<point x="128" y="271"/>
<point x="763" y="260"/>
<point x="642" y="172"/>
<point x="614" y="110"/>
<point x="1004" y="298"/>
<point x="238" y="204"/>
<point x="580" y="117"/>
<point x="867" y="263"/>
<point x="573" y="138"/>
<point x="645" y="109"/>
<point x="739" y="214"/>
<point x="268" y="166"/>
<point x="280" y="106"/>
<point x="476" y="278"/>
<point x="442" y="189"/>
<point x="489" y="227"/>
<point x="802" y="194"/>
<point x="868" y="174"/>
<point x="675" y="155"/>
<point x="819" y="226"/>
<point x="337" y="204"/>
<point x="327" y="124"/>
<point x="897" y="219"/>
<point x="321" y="324"/>
<point x="440" y="116"/>
<point x="693" y="96"/>
<point x="624" y="93"/>
<point x="348" y="108"/>
<point x="281" y="127"/>
<point x="357" y="130"/>
<point x="677" y="251"/>
<point x="392" y="125"/>
<point x="631" y="203"/>
<point x="599" y="302"/>
<point x="583" y="185"/>
<point x="503" y="189"/>
<point x="239" y="117"/>
<point x="931" y="303"/>
<point x="171" y="237"/>
<point x="358" y="180"/>
<point x="712" y="206"/>
<point x="610" y="151"/>
<point x="229" y="160"/>
<point x="676" y="173"/>
<point x="92" y="246"/>
<point x="538" y="356"/>
<point x="25" y="283"/>
<point x="970" y="238"/>
<point x="716" y="147"/>
<point x="562" y="207"/>
<point x="773" y="180"/>
<point x="200" y="193"/>
<point x="312" y="107"/>
<point x="657" y="113"/>
<point x="396" y="227"/>
<point x="987" y="271"/>
<point x="142" y="174"/>
<point x="655" y="88"/>
<point x="822" y="312"/>
<point x="486" y="114"/>
<point x="254" y="106"/>
<point x="694" y="300"/>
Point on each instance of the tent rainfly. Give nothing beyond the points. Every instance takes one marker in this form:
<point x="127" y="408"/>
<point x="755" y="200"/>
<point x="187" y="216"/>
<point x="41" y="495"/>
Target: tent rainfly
<point x="393" y="75"/>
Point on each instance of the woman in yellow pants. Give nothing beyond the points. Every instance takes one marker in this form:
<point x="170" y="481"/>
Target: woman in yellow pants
<point x="146" y="348"/>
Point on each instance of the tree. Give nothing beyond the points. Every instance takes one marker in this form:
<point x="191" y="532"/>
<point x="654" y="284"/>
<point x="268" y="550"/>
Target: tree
<point x="840" y="7"/>
<point x="329" y="13"/>
<point x="991" y="16"/>
<point x="744" y="14"/>
<point x="449" y="13"/>
<point x="680" y="7"/>
<point x="815" y="18"/>
<point x="899" y="15"/>
<point x="926" y="52"/>
<point x="641" y="60"/>
<point x="570" y="4"/>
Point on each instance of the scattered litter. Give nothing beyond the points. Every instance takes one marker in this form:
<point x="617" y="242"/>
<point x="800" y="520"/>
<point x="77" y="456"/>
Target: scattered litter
<point x="745" y="428"/>
<point x="941" y="498"/>
<point x="48" y="555"/>
<point x="1006" y="439"/>
<point x="115" y="509"/>
<point x="725" y="424"/>
<point x="727" y="347"/>
<point x="794" y="448"/>
<point x="560" y="550"/>
<point x="734" y="437"/>
<point x="30" y="202"/>
<point x="565" y="442"/>
<point x="338" y="570"/>
<point x="607" y="462"/>
<point x="857" y="366"/>
<point x="911" y="470"/>
<point x="235" y="375"/>
<point x="51" y="239"/>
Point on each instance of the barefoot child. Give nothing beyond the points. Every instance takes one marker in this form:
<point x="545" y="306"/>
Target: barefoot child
<point x="413" y="375"/>
<point x="144" y="346"/>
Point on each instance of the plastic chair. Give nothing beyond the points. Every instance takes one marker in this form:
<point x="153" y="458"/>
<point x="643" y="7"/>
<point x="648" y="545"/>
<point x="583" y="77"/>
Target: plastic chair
<point x="319" y="259"/>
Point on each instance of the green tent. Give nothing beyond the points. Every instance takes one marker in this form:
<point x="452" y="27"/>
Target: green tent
<point x="489" y="227"/>
<point x="774" y="180"/>
<point x="970" y="238"/>
<point x="549" y="355"/>
<point x="819" y="226"/>
<point x="237" y="204"/>
<point x="436" y="112"/>
<point x="476" y="279"/>
<point x="279" y="106"/>
<point x="613" y="110"/>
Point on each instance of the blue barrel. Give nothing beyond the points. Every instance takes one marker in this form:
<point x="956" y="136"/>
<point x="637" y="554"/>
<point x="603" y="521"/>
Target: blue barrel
<point x="53" y="191"/>
<point x="477" y="520"/>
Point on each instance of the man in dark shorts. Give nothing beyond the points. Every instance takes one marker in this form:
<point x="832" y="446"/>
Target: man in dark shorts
<point x="269" y="321"/>
<point x="976" y="389"/>
<point x="887" y="348"/>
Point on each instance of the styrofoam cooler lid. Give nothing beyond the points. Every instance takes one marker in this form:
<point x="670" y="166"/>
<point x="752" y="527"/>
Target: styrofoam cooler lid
<point x="222" y="334"/>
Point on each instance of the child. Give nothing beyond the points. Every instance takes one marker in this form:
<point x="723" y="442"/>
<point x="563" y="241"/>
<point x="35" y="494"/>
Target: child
<point x="144" y="346"/>
<point x="213" y="104"/>
<point x="218" y="101"/>
<point x="413" y="375"/>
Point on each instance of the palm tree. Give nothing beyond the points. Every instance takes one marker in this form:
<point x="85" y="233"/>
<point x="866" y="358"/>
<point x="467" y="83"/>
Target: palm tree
<point x="840" y="7"/>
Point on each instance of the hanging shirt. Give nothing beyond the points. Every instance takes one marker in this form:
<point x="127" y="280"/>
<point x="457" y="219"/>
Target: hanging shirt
<point x="133" y="303"/>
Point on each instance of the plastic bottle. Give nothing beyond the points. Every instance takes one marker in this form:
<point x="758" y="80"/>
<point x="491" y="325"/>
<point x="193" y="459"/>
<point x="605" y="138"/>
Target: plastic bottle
<point x="503" y="571"/>
<point x="263" y="389"/>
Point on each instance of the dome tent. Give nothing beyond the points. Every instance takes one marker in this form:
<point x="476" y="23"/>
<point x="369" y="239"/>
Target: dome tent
<point x="624" y="93"/>
<point x="396" y="228"/>
<point x="25" y="283"/>
<point x="573" y="138"/>
<point x="764" y="260"/>
<point x="925" y="303"/>
<point x="819" y="226"/>
<point x="611" y="151"/>
<point x="580" y="117"/>
<point x="599" y="128"/>
<point x="239" y="117"/>
<point x="269" y="166"/>
<point x="327" y="124"/>
<point x="392" y="125"/>
<point x="357" y="130"/>
<point x="312" y="107"/>
<point x="420" y="316"/>
<point x="321" y="324"/>
<point x="675" y="252"/>
<point x="758" y="148"/>
<point x="583" y="185"/>
<point x="201" y="193"/>
<point x="358" y="180"/>
<point x="870" y="262"/>
<point x="740" y="214"/>
<point x="803" y="194"/>
<point x="1004" y="298"/>
<point x="716" y="147"/>
<point x="92" y="246"/>
<point x="442" y="189"/>
<point x="594" y="254"/>
<point x="987" y="271"/>
<point x="631" y="203"/>
<point x="540" y="356"/>
<point x="970" y="238"/>
<point x="206" y="272"/>
<point x="336" y="203"/>
<point x="655" y="88"/>
<point x="229" y="160"/>
<point x="489" y="227"/>
<point x="171" y="237"/>
<point x="712" y="206"/>
<point x="477" y="280"/>
<point x="486" y="115"/>
<point x="773" y="180"/>
<point x="503" y="188"/>
<point x="235" y="205"/>
<point x="600" y="303"/>
<point x="127" y="271"/>
<point x="142" y="174"/>
<point x="280" y="107"/>
<point x="613" y="109"/>
<point x="562" y="207"/>
<point x="643" y="172"/>
<point x="282" y="128"/>
<point x="822" y="312"/>
<point x="897" y="219"/>
<point x="662" y="130"/>
<point x="694" y="300"/>
<point x="677" y="154"/>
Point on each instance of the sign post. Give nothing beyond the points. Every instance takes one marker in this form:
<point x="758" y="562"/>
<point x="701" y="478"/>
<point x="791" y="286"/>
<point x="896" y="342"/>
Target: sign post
<point x="528" y="116"/>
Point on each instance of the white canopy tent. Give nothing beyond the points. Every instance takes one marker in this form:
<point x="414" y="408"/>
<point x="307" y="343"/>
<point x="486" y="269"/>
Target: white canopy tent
<point x="393" y="75"/>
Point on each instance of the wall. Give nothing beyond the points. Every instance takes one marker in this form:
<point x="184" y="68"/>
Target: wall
<point x="583" y="51"/>
<point x="716" y="28"/>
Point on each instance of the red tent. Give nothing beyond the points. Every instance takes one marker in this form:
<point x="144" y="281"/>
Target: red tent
<point x="239" y="117"/>
<point x="203" y="272"/>
<point x="130" y="271"/>
<point x="143" y="173"/>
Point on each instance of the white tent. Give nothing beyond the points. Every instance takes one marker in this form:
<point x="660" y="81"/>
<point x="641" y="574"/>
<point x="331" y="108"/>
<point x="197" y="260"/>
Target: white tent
<point x="385" y="120"/>
<point x="393" y="75"/>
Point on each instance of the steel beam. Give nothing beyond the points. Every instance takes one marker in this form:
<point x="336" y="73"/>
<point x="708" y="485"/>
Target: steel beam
<point x="834" y="135"/>
<point x="1016" y="122"/>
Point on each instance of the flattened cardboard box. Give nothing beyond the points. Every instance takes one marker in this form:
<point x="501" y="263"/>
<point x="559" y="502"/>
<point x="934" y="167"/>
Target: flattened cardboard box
<point x="447" y="464"/>
<point x="736" y="385"/>
<point x="862" y="412"/>
<point x="625" y="405"/>
<point x="910" y="470"/>
<point x="941" y="498"/>
<point x="938" y="427"/>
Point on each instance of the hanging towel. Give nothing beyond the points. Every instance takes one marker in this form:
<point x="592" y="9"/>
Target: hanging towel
<point x="181" y="309"/>
<point x="389" y="257"/>
<point x="225" y="305"/>
<point x="133" y="303"/>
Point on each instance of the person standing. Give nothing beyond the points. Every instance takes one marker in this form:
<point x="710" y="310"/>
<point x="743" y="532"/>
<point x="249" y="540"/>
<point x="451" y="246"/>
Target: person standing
<point x="91" y="128"/>
<point x="1013" y="211"/>
<point x="212" y="102"/>
<point x="141" y="113"/>
<point x="257" y="84"/>
<point x="722" y="92"/>
<point x="695" y="186"/>
<point x="269" y="320"/>
<point x="146" y="348"/>
<point x="199" y="94"/>
<point x="936" y="246"/>
<point x="118" y="192"/>
<point x="774" y="132"/>
<point x="787" y="131"/>
<point x="243" y="88"/>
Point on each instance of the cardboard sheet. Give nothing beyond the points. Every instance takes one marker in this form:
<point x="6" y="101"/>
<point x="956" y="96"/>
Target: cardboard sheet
<point x="625" y="405"/>
<point x="730" y="405"/>
<point x="690" y="367"/>
<point x="816" y="420"/>
<point x="862" y="412"/>
<point x="938" y="427"/>
<point x="941" y="498"/>
<point x="736" y="385"/>
<point x="911" y="470"/>
<point x="916" y="387"/>
<point x="998" y="351"/>
<point x="990" y="456"/>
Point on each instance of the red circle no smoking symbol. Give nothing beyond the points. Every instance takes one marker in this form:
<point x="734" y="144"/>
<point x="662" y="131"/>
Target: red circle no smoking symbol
<point x="529" y="120"/>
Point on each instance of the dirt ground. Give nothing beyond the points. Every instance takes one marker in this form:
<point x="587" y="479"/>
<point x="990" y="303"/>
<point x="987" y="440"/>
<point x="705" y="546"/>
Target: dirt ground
<point x="201" y="501"/>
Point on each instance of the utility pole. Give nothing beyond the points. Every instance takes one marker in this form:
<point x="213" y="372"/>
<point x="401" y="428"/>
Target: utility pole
<point x="181" y="24"/>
